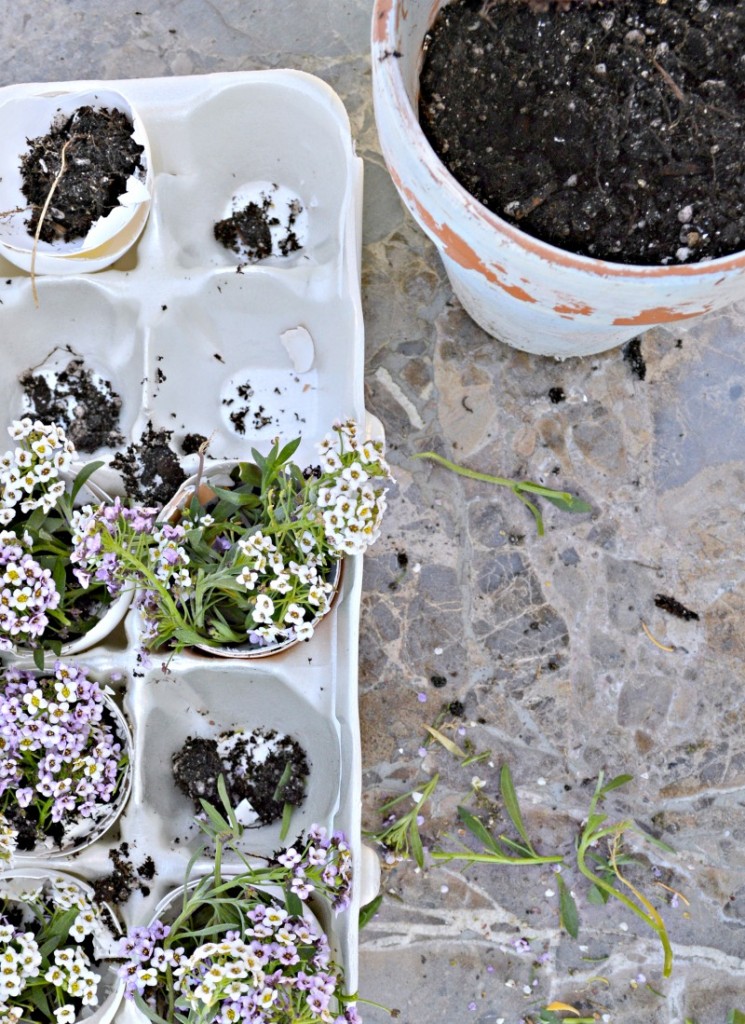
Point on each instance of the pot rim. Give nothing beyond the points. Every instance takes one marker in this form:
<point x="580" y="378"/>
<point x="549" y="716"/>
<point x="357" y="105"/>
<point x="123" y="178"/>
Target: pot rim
<point x="389" y="84"/>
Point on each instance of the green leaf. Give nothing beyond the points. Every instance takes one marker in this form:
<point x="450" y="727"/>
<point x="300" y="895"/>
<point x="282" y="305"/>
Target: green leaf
<point x="38" y="997"/>
<point x="83" y="475"/>
<point x="368" y="912"/>
<point x="509" y="796"/>
<point x="735" y="1017"/>
<point x="598" y="897"/>
<point x="416" y="844"/>
<point x="217" y="819"/>
<point x="477" y="827"/>
<point x="287" y="809"/>
<point x="39" y="658"/>
<point x="620" y="780"/>
<point x="222" y="790"/>
<point x="293" y="904"/>
<point x="288" y="451"/>
<point x="568" y="502"/>
<point x="145" y="1009"/>
<point x="568" y="915"/>
<point x="281" y="786"/>
<point x="594" y="822"/>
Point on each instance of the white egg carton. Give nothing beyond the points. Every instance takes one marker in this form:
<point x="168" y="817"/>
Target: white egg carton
<point x="185" y="334"/>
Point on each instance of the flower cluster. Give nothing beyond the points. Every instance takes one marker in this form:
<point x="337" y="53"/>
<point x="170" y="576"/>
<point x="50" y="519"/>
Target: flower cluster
<point x="275" y="967"/>
<point x="323" y="857"/>
<point x="91" y="561"/>
<point x="8" y="841"/>
<point x="230" y="951"/>
<point x="350" y="492"/>
<point x="61" y="754"/>
<point x="54" y="934"/>
<point x="28" y="593"/>
<point x="250" y="561"/>
<point x="30" y="473"/>
<point x="40" y="599"/>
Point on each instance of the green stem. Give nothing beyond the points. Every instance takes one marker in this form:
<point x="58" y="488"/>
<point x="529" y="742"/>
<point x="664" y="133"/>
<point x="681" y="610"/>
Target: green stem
<point x="495" y="858"/>
<point x="516" y="486"/>
<point x="654" y="921"/>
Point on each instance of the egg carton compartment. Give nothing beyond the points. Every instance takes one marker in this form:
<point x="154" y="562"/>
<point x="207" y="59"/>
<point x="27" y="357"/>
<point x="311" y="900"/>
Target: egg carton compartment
<point x="286" y="369"/>
<point x="224" y="703"/>
<point x="75" y="360"/>
<point x="268" y="140"/>
<point x="187" y="333"/>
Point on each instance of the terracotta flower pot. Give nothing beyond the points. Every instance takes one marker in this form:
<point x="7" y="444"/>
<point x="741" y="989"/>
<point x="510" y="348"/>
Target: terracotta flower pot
<point x="523" y="291"/>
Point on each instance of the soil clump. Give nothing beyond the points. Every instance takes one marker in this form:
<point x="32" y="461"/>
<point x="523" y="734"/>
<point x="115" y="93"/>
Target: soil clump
<point x="263" y="770"/>
<point x="99" y="157"/>
<point x="150" y="468"/>
<point x="248" y="232"/>
<point x="84" y="404"/>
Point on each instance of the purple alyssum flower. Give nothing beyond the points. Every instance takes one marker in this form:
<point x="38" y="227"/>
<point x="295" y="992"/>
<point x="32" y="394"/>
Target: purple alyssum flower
<point x="60" y="756"/>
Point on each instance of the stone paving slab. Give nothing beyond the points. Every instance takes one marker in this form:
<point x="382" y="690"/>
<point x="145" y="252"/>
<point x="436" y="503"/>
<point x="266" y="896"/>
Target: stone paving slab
<point x="549" y="652"/>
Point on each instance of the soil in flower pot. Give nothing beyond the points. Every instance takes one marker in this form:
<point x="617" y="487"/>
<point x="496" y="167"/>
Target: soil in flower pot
<point x="150" y="468"/>
<point x="614" y="128"/>
<point x="248" y="231"/>
<point x="263" y="771"/>
<point x="95" y="151"/>
<point x="75" y="398"/>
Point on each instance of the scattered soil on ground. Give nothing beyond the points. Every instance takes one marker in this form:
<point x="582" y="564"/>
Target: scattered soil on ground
<point x="84" y="404"/>
<point x="265" y="768"/>
<point x="99" y="156"/>
<point x="673" y="606"/>
<point x="614" y="129"/>
<point x="150" y="469"/>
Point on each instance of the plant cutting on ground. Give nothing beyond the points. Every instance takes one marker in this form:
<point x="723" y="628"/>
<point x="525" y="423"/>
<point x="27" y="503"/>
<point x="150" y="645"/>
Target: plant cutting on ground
<point x="230" y="950"/>
<point x="520" y="488"/>
<point x="53" y="941"/>
<point x="248" y="563"/>
<point x="63" y="757"/>
<point x="604" y="871"/>
<point x="599" y="854"/>
<point x="43" y="601"/>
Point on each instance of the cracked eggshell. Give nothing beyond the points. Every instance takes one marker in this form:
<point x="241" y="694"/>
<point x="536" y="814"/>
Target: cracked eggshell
<point x="298" y="343"/>
<point x="28" y="117"/>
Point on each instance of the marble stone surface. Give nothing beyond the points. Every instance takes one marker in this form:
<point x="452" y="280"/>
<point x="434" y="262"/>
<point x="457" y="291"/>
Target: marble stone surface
<point x="533" y="648"/>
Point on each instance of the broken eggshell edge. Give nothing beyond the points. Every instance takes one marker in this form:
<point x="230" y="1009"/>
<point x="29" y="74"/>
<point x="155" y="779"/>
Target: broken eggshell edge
<point x="28" y="117"/>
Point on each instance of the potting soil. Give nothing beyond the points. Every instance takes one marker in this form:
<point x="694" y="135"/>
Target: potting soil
<point x="614" y="129"/>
